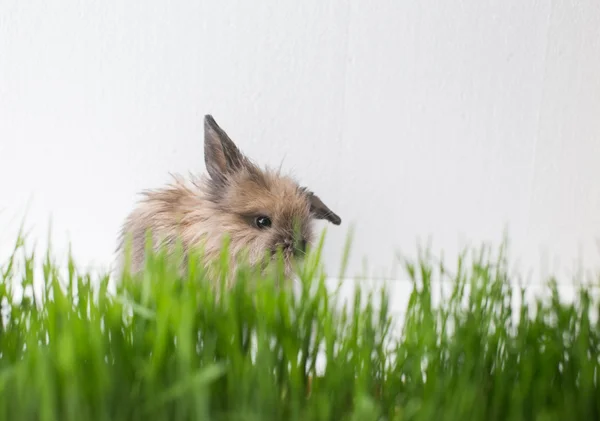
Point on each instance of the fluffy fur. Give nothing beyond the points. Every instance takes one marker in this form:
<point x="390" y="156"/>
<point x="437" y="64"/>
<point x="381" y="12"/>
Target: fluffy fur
<point x="200" y="211"/>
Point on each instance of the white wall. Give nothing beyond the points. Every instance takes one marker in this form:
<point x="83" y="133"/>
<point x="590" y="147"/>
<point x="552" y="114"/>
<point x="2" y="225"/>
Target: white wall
<point x="411" y="119"/>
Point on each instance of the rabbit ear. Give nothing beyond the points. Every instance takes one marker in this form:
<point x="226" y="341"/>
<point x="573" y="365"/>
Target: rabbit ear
<point x="320" y="210"/>
<point x="221" y="156"/>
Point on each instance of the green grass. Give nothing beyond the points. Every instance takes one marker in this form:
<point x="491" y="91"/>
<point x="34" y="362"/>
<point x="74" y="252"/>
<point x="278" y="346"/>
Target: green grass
<point x="169" y="348"/>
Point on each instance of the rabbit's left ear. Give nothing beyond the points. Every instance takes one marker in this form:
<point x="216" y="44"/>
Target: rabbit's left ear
<point x="221" y="155"/>
<point x="320" y="209"/>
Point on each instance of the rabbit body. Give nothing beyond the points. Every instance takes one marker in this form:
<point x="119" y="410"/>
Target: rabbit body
<point x="259" y="210"/>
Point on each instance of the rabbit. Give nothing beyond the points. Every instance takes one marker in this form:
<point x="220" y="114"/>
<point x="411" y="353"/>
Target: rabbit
<point x="257" y="208"/>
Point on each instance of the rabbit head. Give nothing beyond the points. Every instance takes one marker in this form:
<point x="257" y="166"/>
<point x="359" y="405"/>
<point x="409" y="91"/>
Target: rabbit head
<point x="259" y="210"/>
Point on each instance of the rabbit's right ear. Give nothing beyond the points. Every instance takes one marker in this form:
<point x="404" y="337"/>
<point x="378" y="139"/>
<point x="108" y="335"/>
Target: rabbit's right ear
<point x="319" y="209"/>
<point x="221" y="156"/>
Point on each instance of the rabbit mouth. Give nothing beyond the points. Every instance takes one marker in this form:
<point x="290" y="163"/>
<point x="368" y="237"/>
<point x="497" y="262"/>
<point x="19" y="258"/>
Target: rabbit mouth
<point x="290" y="250"/>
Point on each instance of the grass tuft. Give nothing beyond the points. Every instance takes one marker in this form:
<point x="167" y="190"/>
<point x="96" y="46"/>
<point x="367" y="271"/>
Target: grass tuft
<point x="167" y="346"/>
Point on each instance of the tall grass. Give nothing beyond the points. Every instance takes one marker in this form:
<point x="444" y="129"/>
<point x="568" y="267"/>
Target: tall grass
<point x="169" y="347"/>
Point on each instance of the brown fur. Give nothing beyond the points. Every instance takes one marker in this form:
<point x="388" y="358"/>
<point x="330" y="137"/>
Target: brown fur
<point x="202" y="210"/>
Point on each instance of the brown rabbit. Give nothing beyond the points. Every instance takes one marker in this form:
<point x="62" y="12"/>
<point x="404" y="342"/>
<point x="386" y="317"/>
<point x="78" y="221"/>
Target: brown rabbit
<point x="259" y="210"/>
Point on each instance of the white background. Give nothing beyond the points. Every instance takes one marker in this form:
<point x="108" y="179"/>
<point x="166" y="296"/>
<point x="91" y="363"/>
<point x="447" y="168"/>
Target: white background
<point x="411" y="119"/>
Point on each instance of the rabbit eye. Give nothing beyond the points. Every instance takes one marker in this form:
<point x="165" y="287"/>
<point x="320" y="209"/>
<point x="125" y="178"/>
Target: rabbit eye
<point x="263" y="222"/>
